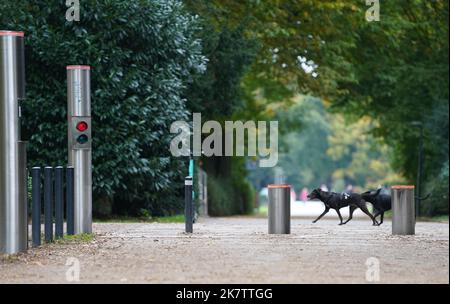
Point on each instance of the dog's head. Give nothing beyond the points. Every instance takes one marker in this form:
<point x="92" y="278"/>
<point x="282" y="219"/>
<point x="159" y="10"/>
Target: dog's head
<point x="315" y="194"/>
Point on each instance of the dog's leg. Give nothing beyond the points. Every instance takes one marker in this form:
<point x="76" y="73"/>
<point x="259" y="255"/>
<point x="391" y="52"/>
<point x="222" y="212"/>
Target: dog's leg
<point x="364" y="209"/>
<point x="377" y="214"/>
<point x="323" y="213"/>
<point x="340" y="216"/>
<point x="382" y="216"/>
<point x="352" y="209"/>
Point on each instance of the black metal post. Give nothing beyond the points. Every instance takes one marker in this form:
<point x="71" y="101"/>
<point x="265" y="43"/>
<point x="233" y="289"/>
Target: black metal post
<point x="48" y="203"/>
<point x="59" y="203"/>
<point x="36" y="206"/>
<point x="69" y="200"/>
<point x="188" y="209"/>
<point x="419" y="172"/>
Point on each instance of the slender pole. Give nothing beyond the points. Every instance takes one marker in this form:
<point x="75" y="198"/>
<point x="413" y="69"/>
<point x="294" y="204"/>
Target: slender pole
<point x="419" y="172"/>
<point x="48" y="203"/>
<point x="36" y="206"/>
<point x="188" y="210"/>
<point x="69" y="201"/>
<point x="59" y="203"/>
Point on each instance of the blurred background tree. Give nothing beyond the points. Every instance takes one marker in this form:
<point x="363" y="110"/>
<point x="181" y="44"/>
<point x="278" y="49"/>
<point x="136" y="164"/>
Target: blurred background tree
<point x="390" y="73"/>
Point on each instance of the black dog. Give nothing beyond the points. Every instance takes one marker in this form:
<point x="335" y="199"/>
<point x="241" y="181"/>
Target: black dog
<point x="380" y="202"/>
<point x="337" y="201"/>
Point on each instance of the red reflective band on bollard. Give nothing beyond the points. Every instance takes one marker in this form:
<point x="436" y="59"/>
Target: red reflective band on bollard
<point x="12" y="33"/>
<point x="78" y="67"/>
<point x="272" y="186"/>
<point x="403" y="187"/>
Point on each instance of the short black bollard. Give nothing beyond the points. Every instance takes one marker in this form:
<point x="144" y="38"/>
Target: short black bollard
<point x="59" y="203"/>
<point x="69" y="201"/>
<point x="188" y="208"/>
<point x="36" y="206"/>
<point x="48" y="203"/>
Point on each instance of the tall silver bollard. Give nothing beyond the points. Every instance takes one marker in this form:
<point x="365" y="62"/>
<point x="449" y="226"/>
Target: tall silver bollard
<point x="80" y="144"/>
<point x="279" y="209"/>
<point x="403" y="210"/>
<point x="13" y="185"/>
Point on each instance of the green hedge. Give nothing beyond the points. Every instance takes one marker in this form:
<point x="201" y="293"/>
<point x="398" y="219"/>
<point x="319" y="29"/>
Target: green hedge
<point x="144" y="53"/>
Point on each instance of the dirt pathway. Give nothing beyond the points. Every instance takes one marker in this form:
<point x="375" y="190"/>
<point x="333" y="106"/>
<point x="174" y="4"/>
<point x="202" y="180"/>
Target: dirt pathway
<point x="238" y="250"/>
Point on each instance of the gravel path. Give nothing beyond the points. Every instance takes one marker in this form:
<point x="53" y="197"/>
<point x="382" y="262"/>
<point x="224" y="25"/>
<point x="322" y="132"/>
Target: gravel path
<point x="238" y="250"/>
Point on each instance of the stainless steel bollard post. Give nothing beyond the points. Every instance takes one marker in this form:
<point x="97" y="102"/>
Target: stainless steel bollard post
<point x="80" y="144"/>
<point x="279" y="209"/>
<point x="13" y="186"/>
<point x="403" y="210"/>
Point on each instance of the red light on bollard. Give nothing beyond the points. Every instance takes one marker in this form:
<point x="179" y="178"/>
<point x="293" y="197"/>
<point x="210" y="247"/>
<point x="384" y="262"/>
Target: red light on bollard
<point x="82" y="126"/>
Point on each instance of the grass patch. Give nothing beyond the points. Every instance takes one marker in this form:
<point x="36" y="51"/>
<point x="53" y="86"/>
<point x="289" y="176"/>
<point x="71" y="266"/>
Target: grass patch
<point x="125" y="219"/>
<point x="84" y="237"/>
<point x="439" y="218"/>
<point x="170" y="219"/>
<point x="262" y="211"/>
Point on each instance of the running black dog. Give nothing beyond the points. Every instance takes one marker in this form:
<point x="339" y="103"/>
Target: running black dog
<point x="337" y="201"/>
<point x="380" y="202"/>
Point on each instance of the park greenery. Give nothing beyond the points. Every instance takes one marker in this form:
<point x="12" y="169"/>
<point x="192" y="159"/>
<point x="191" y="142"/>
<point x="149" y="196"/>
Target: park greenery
<point x="352" y="96"/>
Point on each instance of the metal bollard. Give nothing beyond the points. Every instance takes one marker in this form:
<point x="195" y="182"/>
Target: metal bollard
<point x="403" y="210"/>
<point x="59" y="203"/>
<point x="80" y="143"/>
<point x="36" y="206"/>
<point x="69" y="201"/>
<point x="48" y="204"/>
<point x="279" y="209"/>
<point x="188" y="208"/>
<point x="13" y="183"/>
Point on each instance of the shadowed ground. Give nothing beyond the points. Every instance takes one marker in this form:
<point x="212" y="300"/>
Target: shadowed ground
<point x="239" y="250"/>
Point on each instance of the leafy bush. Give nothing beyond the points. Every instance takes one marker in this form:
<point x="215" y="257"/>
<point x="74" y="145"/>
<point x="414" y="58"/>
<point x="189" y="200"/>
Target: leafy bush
<point x="143" y="54"/>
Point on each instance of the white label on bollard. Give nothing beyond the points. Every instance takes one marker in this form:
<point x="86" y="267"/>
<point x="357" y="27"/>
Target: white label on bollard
<point x="188" y="182"/>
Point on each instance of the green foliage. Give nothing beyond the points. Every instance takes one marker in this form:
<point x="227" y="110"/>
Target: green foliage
<point x="217" y="95"/>
<point x="230" y="194"/>
<point x="394" y="71"/>
<point x="143" y="54"/>
<point x="438" y="202"/>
